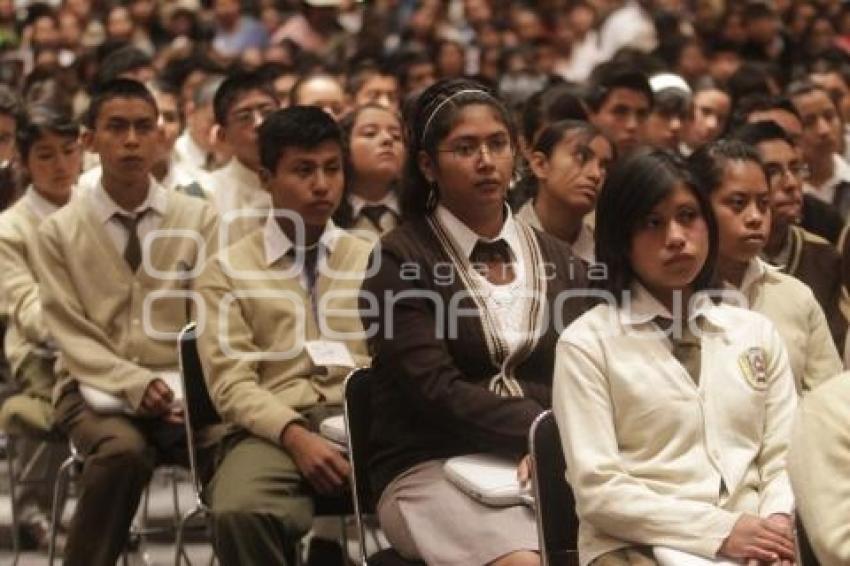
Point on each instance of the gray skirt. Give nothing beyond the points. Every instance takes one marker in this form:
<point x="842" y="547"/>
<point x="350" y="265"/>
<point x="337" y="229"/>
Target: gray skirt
<point x="427" y="518"/>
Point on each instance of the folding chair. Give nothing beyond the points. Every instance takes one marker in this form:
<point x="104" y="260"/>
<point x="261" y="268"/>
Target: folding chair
<point x="16" y="413"/>
<point x="357" y="398"/>
<point x="805" y="552"/>
<point x="557" y="524"/>
<point x="198" y="412"/>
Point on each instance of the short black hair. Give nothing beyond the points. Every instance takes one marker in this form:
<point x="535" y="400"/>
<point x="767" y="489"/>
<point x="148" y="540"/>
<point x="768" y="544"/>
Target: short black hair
<point x="609" y="76"/>
<point x="123" y="60"/>
<point x="233" y="87"/>
<point x="303" y="127"/>
<point x="634" y="186"/>
<point x="10" y="104"/>
<point x="552" y="104"/>
<point x="762" y="131"/>
<point x="363" y="72"/>
<point x="118" y="88"/>
<point x="760" y="103"/>
<point x="41" y="120"/>
<point x="708" y="163"/>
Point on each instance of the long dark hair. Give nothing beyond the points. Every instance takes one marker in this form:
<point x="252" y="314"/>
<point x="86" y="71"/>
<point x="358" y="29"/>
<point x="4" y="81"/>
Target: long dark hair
<point x="429" y="119"/>
<point x="342" y="216"/>
<point x="635" y="185"/>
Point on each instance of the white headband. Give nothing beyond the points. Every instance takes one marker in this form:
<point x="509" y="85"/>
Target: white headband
<point x="447" y="100"/>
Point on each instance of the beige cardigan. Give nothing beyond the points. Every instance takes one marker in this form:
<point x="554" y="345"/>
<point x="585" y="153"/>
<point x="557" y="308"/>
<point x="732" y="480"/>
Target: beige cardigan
<point x="18" y="258"/>
<point x="251" y="345"/>
<point x="818" y="463"/>
<point x="114" y="333"/>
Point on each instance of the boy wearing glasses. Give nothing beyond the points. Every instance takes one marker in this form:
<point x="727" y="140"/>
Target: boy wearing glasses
<point x="791" y="248"/>
<point x="114" y="269"/>
<point x="282" y="331"/>
<point x="241" y="103"/>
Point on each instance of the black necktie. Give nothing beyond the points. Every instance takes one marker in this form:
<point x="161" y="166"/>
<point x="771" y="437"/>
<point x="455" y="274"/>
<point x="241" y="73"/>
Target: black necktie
<point x="491" y="252"/>
<point x="374" y="213"/>
<point x="133" y="249"/>
<point x="493" y="261"/>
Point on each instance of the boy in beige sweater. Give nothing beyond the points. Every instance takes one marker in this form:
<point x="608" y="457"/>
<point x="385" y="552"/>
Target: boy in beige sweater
<point x="116" y="263"/>
<point x="279" y="333"/>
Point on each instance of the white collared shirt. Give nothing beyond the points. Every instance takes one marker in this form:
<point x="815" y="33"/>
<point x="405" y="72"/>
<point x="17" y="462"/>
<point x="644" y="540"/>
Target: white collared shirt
<point x="38" y="205"/>
<point x="655" y="458"/>
<point x="105" y="209"/>
<point x="236" y="187"/>
<point x="189" y="152"/>
<point x="388" y="220"/>
<point x="826" y="192"/>
<point x="583" y="247"/>
<point x="276" y="245"/>
<point x="176" y="176"/>
<point x="508" y="303"/>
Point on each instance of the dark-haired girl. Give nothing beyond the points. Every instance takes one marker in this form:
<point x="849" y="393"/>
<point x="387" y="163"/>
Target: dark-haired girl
<point x="732" y="177"/>
<point x="374" y="158"/>
<point x="568" y="160"/>
<point x="463" y="344"/>
<point x="674" y="411"/>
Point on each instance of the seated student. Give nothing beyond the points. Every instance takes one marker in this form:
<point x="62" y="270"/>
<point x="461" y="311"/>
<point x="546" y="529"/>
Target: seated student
<point x="194" y="149"/>
<point x="732" y="176"/>
<point x="568" y="160"/>
<point x="818" y="461"/>
<point x="829" y="173"/>
<point x="619" y="101"/>
<point x="445" y="384"/>
<point x="271" y="300"/>
<point x="166" y="169"/>
<point x="370" y="83"/>
<point x="374" y="158"/>
<point x="117" y="343"/>
<point x="792" y="249"/>
<point x="818" y="217"/>
<point x="674" y="411"/>
<point x="241" y="103"/>
<point x="323" y="90"/>
<point x="708" y="119"/>
<point x="672" y="106"/>
<point x="49" y="149"/>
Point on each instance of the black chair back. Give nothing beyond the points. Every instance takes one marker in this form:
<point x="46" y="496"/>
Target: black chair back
<point x="198" y="408"/>
<point x="557" y="524"/>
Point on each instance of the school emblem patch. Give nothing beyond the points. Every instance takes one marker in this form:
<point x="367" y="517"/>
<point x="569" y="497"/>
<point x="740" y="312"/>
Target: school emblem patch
<point x="753" y="364"/>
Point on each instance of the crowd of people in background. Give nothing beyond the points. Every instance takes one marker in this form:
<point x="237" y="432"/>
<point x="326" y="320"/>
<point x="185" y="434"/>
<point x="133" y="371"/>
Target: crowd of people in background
<point x="685" y="147"/>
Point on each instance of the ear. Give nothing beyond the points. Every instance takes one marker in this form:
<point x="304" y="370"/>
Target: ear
<point x="426" y="165"/>
<point x="539" y="164"/>
<point x="87" y="140"/>
<point x="218" y="134"/>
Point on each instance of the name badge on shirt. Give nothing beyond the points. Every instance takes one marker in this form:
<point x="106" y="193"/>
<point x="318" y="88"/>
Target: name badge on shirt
<point x="324" y="353"/>
<point x="753" y="363"/>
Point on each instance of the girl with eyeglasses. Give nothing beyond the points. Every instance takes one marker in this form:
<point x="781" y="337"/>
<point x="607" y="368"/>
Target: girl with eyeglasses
<point x="568" y="160"/>
<point x="674" y="410"/>
<point x="464" y="332"/>
<point x="732" y="178"/>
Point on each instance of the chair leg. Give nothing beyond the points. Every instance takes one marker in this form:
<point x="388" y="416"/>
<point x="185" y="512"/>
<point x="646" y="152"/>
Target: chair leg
<point x="59" y="490"/>
<point x="11" y="457"/>
<point x="179" y="550"/>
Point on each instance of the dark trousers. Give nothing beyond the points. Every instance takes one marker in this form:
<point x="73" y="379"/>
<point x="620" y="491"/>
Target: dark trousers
<point x="120" y="454"/>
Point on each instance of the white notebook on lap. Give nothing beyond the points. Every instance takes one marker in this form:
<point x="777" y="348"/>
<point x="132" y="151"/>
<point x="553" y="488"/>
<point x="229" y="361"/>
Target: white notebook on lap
<point x="333" y="429"/>
<point x="669" y="557"/>
<point x="108" y="404"/>
<point x="488" y="479"/>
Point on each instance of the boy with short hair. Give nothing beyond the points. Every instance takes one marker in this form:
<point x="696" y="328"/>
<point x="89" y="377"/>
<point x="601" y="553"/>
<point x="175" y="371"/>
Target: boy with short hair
<point x="620" y="101"/>
<point x="113" y="272"/>
<point x="282" y="331"/>
<point x="241" y="103"/>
